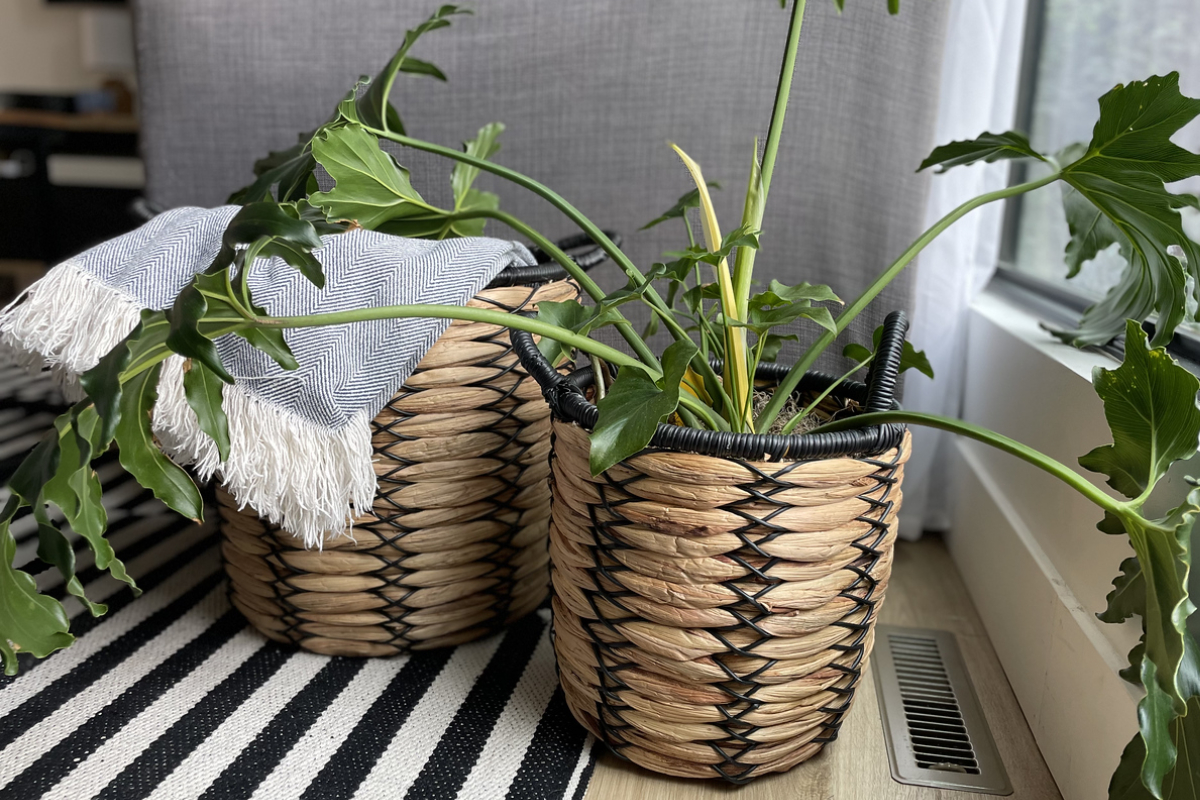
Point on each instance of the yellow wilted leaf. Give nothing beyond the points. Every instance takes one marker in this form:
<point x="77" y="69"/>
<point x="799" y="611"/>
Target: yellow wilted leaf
<point x="737" y="362"/>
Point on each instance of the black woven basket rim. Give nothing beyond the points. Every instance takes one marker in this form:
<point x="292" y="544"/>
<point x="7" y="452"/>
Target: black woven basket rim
<point x="588" y="254"/>
<point x="564" y="394"/>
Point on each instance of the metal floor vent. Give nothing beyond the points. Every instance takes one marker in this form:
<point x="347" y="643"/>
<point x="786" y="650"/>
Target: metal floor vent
<point x="935" y="730"/>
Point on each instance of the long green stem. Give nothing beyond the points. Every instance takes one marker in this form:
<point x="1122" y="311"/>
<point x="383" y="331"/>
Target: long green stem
<point x="700" y="409"/>
<point x="501" y="318"/>
<point x="808" y="409"/>
<point x="789" y="383"/>
<point x="652" y="297"/>
<point x="991" y="438"/>
<point x="756" y="196"/>
<point x="624" y="327"/>
<point x="782" y="90"/>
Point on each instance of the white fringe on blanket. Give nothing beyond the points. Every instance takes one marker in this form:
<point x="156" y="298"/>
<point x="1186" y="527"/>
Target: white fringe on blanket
<point x="300" y="441"/>
<point x="291" y="472"/>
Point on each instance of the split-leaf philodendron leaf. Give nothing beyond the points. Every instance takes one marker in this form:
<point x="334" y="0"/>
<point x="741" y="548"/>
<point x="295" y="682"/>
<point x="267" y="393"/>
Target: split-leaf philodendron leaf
<point x="369" y="186"/>
<point x="1115" y="193"/>
<point x="368" y="103"/>
<point x="633" y="407"/>
<point x="1150" y="405"/>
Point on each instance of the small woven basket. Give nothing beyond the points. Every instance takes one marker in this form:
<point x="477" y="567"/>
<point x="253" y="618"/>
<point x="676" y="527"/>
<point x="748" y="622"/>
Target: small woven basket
<point x="715" y="595"/>
<point x="456" y="547"/>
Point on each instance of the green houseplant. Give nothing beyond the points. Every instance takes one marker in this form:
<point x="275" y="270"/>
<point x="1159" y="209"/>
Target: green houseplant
<point x="1114" y="194"/>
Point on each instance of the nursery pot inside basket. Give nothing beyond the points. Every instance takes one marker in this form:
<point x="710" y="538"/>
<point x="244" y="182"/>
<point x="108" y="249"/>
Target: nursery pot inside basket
<point x="456" y="547"/>
<point x="715" y="595"/>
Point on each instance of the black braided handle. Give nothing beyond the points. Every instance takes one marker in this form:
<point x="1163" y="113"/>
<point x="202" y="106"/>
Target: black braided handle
<point x="567" y="402"/>
<point x="587" y="254"/>
<point x="885" y="369"/>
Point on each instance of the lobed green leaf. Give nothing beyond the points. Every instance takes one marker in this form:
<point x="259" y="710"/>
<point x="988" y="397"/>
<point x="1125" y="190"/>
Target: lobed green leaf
<point x="988" y="147"/>
<point x="29" y="622"/>
<point x="633" y="407"/>
<point x="205" y="393"/>
<point x="140" y="455"/>
<point x="1150" y="406"/>
<point x="1118" y="195"/>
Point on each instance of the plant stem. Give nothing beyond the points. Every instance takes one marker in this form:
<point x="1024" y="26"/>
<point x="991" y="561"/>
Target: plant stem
<point x="756" y="205"/>
<point x="701" y="409"/>
<point x="546" y="193"/>
<point x="624" y="327"/>
<point x="789" y="383"/>
<point x="993" y="439"/>
<point x="652" y="297"/>
<point x="598" y="377"/>
<point x="782" y="90"/>
<point x="794" y="421"/>
<point x="500" y="318"/>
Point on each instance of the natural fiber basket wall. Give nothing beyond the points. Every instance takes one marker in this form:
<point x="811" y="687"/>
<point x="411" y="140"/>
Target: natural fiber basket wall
<point x="714" y="616"/>
<point x="457" y="544"/>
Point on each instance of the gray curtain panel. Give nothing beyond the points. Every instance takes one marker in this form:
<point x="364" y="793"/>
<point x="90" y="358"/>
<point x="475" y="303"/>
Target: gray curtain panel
<point x="591" y="93"/>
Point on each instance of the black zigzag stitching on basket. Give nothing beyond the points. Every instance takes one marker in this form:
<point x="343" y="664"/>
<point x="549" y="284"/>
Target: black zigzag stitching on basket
<point x="394" y="596"/>
<point x="742" y="685"/>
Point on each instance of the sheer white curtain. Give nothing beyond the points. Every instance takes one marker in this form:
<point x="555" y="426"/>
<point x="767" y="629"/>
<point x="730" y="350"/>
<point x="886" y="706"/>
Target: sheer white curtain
<point x="979" y="87"/>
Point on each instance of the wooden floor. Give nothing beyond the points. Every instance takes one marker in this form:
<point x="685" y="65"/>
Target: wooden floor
<point x="926" y="592"/>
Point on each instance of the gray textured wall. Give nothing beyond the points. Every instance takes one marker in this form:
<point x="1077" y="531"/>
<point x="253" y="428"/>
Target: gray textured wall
<point x="591" y="92"/>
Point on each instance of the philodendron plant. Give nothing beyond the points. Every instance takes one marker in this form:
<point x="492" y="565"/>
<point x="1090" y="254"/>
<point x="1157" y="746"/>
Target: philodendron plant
<point x="1115" y="194"/>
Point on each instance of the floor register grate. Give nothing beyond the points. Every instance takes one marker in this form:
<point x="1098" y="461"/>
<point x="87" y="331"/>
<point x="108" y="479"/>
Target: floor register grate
<point x="935" y="729"/>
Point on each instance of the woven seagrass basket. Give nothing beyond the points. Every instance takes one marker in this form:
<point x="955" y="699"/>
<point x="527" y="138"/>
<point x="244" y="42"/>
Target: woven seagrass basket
<point x="456" y="546"/>
<point x="715" y="595"/>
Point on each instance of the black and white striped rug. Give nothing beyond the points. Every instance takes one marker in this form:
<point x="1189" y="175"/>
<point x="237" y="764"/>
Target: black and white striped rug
<point x="172" y="696"/>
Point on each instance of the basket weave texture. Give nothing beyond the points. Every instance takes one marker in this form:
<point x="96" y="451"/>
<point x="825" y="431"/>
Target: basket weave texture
<point x="713" y="616"/>
<point x="456" y="545"/>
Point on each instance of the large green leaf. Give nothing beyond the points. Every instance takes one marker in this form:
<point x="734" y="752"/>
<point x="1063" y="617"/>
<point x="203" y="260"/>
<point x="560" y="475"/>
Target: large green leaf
<point x="1163" y="759"/>
<point x="1150" y="405"/>
<point x="1121" y="174"/>
<point x="278" y="230"/>
<point x="988" y="147"/>
<point x="288" y="169"/>
<point x="573" y="316"/>
<point x="185" y="338"/>
<point x="633" y="407"/>
<point x="370" y="187"/>
<point x="205" y="393"/>
<point x="291" y="170"/>
<point x="29" y="622"/>
<point x="139" y="454"/>
<point x="76" y="489"/>
<point x="374" y="108"/>
<point x="1182" y="782"/>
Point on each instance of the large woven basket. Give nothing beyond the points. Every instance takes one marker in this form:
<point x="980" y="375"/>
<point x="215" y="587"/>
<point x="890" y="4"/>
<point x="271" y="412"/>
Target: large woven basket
<point x="715" y="595"/>
<point x="456" y="547"/>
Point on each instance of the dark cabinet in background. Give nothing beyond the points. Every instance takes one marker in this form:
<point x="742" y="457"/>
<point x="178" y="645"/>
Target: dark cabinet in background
<point x="55" y="196"/>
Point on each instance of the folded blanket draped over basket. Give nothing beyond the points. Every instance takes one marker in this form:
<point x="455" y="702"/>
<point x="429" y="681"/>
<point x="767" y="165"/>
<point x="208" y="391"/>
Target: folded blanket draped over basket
<point x="300" y="440"/>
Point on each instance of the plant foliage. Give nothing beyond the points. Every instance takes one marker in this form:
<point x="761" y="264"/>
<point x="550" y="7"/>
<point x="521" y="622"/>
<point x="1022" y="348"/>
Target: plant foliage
<point x="1114" y="193"/>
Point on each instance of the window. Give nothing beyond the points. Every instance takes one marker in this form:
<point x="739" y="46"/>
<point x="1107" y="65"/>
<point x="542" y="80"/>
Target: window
<point x="1079" y="50"/>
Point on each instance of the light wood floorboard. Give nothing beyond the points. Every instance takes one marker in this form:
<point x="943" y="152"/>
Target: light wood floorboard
<point x="926" y="592"/>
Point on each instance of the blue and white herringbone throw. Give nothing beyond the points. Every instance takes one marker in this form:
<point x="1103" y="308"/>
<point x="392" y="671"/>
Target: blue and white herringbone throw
<point x="301" y="440"/>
